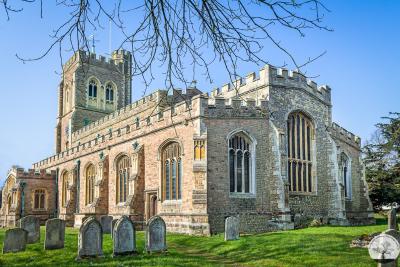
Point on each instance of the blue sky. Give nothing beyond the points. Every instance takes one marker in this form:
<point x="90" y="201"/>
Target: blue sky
<point x="361" y="66"/>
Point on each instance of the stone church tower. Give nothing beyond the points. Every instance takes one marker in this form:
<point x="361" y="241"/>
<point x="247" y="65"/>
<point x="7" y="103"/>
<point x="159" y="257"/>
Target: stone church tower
<point x="90" y="89"/>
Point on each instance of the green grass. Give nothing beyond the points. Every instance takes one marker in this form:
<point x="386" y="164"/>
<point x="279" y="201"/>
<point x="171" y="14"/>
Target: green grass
<point x="322" y="246"/>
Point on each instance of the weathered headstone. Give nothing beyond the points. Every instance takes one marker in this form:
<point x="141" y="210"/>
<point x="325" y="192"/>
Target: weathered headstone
<point x="156" y="236"/>
<point x="105" y="221"/>
<point x="90" y="239"/>
<point x="55" y="234"/>
<point x="113" y="222"/>
<point x="31" y="224"/>
<point x="231" y="228"/>
<point x="124" y="237"/>
<point x="385" y="248"/>
<point x="15" y="240"/>
<point x="392" y="219"/>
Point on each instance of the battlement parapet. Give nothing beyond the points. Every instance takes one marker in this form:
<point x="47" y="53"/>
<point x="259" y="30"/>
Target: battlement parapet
<point x="236" y="107"/>
<point x="341" y="132"/>
<point x="272" y="76"/>
<point x="21" y="173"/>
<point x="127" y="129"/>
<point x="199" y="105"/>
<point x="85" y="57"/>
<point x="157" y="98"/>
<point x="243" y="84"/>
<point x="121" y="52"/>
<point x="295" y="79"/>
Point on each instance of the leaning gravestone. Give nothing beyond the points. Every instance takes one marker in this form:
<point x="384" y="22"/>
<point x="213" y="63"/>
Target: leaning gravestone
<point x="392" y="219"/>
<point x="105" y="221"/>
<point x="124" y="237"/>
<point x="55" y="234"/>
<point x="231" y="228"/>
<point x="31" y="224"/>
<point x="156" y="240"/>
<point x="90" y="239"/>
<point x="15" y="240"/>
<point x="113" y="222"/>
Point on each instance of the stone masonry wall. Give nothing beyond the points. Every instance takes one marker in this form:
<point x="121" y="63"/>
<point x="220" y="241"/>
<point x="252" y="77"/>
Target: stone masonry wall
<point x="358" y="208"/>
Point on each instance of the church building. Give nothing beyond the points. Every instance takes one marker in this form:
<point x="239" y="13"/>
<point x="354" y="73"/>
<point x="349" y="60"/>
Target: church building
<point x="264" y="149"/>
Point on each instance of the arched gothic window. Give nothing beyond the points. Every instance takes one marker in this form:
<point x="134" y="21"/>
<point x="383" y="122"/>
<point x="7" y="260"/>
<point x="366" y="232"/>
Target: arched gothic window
<point x="123" y="170"/>
<point x="171" y="172"/>
<point x="92" y="90"/>
<point x="64" y="188"/>
<point x="300" y="135"/>
<point x="109" y="93"/>
<point x="90" y="179"/>
<point x="345" y="174"/>
<point x="39" y="199"/>
<point x="240" y="164"/>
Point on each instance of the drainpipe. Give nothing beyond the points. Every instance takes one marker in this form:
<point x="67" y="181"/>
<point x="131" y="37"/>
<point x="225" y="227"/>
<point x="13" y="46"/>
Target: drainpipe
<point x="78" y="167"/>
<point x="56" y="211"/>
<point x="22" y="211"/>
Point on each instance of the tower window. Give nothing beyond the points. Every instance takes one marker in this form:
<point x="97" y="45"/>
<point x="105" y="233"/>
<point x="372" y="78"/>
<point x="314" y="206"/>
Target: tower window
<point x="109" y="93"/>
<point x="300" y="135"/>
<point x="92" y="89"/>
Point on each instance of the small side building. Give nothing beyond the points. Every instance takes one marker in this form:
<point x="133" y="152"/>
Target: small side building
<point x="27" y="193"/>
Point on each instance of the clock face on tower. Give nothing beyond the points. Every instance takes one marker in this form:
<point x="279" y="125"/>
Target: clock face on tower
<point x="384" y="247"/>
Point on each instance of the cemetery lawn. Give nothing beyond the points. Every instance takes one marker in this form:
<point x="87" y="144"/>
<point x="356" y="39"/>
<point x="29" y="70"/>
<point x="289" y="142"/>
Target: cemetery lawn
<point x="317" y="246"/>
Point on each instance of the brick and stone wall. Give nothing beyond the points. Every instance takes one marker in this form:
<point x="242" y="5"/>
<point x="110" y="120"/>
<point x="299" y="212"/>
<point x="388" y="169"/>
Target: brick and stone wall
<point x="257" y="106"/>
<point x="21" y="187"/>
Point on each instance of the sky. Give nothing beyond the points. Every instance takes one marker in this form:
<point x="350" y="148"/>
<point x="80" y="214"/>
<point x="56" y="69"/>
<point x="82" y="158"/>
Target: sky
<point x="361" y="65"/>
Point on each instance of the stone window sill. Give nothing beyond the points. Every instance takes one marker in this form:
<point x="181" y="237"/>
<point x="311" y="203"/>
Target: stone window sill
<point x="242" y="195"/>
<point x="303" y="193"/>
<point x="121" y="204"/>
<point x="39" y="209"/>
<point x="172" y="202"/>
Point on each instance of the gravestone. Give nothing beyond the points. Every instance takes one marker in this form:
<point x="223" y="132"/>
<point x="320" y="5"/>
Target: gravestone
<point x="385" y="248"/>
<point x="55" y="234"/>
<point x="392" y="219"/>
<point x="15" y="240"/>
<point x="31" y="224"/>
<point x="124" y="237"/>
<point x="231" y="228"/>
<point x="113" y="222"/>
<point x="156" y="240"/>
<point x="90" y="239"/>
<point x="105" y="221"/>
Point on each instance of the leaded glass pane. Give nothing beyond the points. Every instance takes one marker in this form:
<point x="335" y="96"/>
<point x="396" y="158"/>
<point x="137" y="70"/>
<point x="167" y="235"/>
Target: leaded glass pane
<point x="247" y="172"/>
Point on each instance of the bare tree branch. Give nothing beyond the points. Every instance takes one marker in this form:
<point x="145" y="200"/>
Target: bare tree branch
<point x="178" y="35"/>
